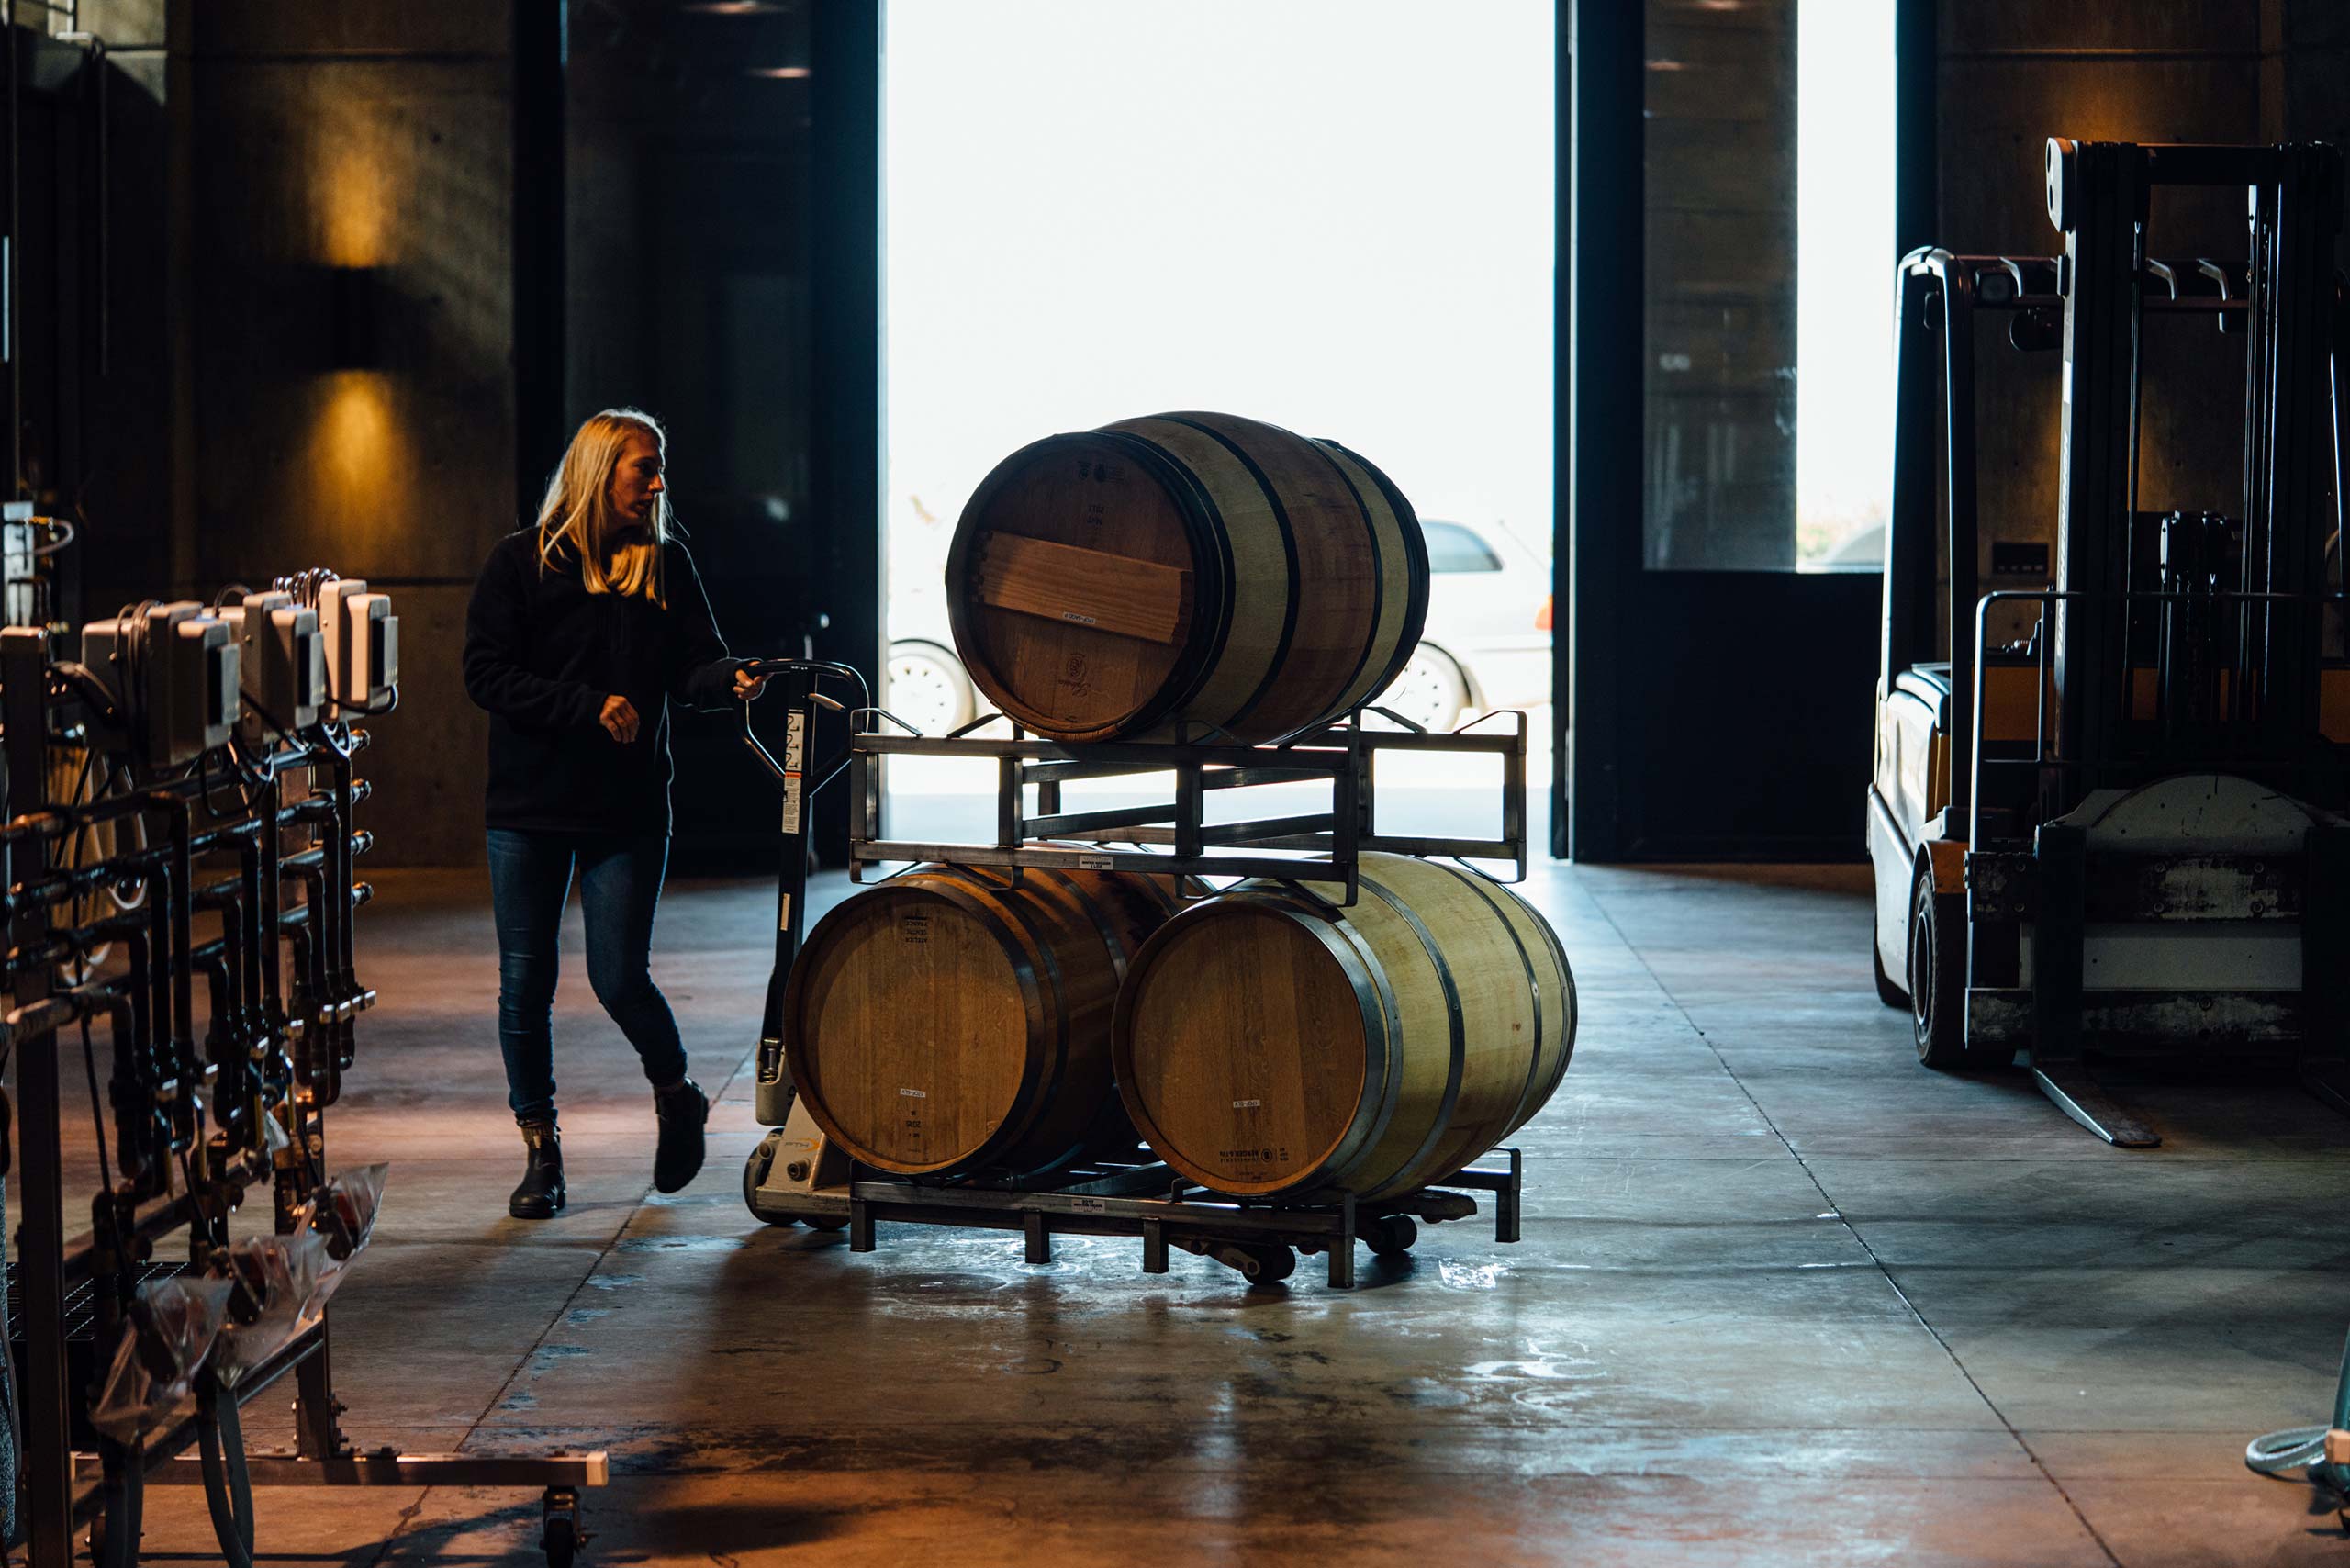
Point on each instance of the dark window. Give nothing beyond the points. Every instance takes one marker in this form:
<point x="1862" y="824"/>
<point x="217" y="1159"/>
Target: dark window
<point x="1452" y="548"/>
<point x="1768" y="288"/>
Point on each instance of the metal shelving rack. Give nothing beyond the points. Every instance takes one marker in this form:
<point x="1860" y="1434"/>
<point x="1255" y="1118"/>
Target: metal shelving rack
<point x="73" y="1476"/>
<point x="795" y="1175"/>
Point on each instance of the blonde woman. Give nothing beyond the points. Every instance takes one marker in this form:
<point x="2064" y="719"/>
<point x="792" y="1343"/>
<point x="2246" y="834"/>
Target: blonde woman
<point x="581" y="631"/>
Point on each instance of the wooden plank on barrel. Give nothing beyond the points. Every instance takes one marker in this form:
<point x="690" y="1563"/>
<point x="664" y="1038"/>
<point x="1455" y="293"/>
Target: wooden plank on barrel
<point x="1112" y="593"/>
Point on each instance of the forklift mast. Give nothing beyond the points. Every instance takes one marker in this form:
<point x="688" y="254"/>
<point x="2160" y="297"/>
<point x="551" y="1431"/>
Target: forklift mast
<point x="2098" y="197"/>
<point x="2112" y="565"/>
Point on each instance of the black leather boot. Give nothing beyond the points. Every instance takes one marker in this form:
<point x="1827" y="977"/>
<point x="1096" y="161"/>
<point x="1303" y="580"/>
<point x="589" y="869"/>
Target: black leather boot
<point x="541" y="1194"/>
<point x="682" y="1108"/>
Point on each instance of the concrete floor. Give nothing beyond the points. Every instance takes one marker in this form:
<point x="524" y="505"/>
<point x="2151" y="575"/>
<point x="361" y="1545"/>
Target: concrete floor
<point x="1783" y="1297"/>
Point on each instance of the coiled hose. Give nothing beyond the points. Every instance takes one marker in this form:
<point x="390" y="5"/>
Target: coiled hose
<point x="2273" y="1453"/>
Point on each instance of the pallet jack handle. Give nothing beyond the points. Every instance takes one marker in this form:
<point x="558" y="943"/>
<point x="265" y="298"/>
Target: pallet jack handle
<point x="801" y="680"/>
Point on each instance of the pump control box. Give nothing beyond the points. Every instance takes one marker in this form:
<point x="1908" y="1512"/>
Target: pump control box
<point x="282" y="662"/>
<point x="362" y="643"/>
<point x="171" y="671"/>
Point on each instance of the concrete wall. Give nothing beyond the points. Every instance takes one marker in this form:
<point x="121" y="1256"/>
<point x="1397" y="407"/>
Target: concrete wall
<point x="96" y="410"/>
<point x="350" y="379"/>
<point x="2013" y="72"/>
<point x="327" y="362"/>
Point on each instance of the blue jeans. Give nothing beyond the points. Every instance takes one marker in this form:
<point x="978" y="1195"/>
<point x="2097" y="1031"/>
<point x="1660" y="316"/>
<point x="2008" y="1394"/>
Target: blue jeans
<point x="620" y="885"/>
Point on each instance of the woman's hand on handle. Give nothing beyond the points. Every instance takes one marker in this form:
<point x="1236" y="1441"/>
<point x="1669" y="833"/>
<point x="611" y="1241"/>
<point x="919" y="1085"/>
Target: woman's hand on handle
<point x="747" y="686"/>
<point x="618" y="719"/>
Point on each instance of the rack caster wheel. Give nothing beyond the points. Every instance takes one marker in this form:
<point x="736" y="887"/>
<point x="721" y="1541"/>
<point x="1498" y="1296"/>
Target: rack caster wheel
<point x="560" y="1536"/>
<point x="1274" y="1265"/>
<point x="823" y="1222"/>
<point x="1259" y="1263"/>
<point x="1392" y="1237"/>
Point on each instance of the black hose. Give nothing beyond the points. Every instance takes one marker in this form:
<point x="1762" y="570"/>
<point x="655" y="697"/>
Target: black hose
<point x="125" y="1493"/>
<point x="11" y="1435"/>
<point x="228" y="1486"/>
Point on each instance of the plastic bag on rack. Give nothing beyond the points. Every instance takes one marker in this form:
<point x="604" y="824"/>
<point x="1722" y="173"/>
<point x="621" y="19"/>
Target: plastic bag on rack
<point x="278" y="1282"/>
<point x="173" y="1326"/>
<point x="343" y="1211"/>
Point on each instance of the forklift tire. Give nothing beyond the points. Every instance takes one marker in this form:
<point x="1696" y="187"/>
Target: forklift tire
<point x="1937" y="975"/>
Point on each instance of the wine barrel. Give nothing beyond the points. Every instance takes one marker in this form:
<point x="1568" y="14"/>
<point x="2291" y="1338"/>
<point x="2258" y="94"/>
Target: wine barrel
<point x="948" y="1023"/>
<point x="1184" y="574"/>
<point x="1267" y="1044"/>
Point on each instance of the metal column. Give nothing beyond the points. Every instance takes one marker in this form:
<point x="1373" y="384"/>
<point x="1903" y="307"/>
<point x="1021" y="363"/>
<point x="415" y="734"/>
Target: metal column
<point x="47" y="1413"/>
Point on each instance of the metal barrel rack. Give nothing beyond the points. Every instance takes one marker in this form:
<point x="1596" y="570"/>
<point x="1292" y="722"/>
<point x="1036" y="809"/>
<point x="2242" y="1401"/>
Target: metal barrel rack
<point x="1145" y="1201"/>
<point x="796" y="1175"/>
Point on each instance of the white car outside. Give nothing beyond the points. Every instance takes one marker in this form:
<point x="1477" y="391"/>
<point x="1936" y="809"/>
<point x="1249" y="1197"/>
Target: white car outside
<point x="1486" y="646"/>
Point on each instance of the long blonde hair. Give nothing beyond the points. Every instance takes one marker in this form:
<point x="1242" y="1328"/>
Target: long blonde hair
<point x="576" y="514"/>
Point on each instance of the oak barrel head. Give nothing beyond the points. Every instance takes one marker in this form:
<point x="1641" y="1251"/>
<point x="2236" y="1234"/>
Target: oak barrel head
<point x="909" y="1025"/>
<point x="1078" y="577"/>
<point x="1242" y="1049"/>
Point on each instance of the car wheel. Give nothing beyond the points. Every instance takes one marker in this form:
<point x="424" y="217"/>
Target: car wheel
<point x="1431" y="692"/>
<point x="928" y="688"/>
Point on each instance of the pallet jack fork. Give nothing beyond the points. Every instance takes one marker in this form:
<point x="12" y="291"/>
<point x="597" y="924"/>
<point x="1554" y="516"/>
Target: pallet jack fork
<point x="2130" y="830"/>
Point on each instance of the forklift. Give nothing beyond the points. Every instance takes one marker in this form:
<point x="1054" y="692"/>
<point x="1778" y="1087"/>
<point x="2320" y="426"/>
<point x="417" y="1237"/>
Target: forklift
<point x="2114" y="821"/>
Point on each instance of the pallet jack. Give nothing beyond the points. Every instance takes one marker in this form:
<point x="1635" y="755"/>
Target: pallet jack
<point x="2124" y="832"/>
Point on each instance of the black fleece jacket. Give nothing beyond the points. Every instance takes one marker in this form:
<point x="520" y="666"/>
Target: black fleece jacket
<point x="542" y="654"/>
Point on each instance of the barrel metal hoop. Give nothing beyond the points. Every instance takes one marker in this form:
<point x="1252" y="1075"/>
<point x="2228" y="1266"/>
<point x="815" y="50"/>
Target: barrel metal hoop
<point x="1378" y="564"/>
<point x="1094" y="914"/>
<point x="1289" y="552"/>
<point x="1037" y="1098"/>
<point x="1374" y="997"/>
<point x="1441" y="1122"/>
<point x="1050" y="1053"/>
<point x="959" y="556"/>
<point x="1533" y="991"/>
<point x="1567" y="999"/>
<point x="1212" y="580"/>
<point x="1415" y="551"/>
<point x="1566" y="984"/>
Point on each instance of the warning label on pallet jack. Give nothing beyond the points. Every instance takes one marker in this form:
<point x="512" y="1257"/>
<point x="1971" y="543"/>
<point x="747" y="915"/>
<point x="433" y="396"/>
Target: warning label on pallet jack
<point x="795" y="747"/>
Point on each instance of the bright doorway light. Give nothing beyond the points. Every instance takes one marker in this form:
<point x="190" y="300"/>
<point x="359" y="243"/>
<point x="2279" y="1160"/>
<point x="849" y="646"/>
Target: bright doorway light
<point x="1334" y="215"/>
<point x="1844" y="256"/>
